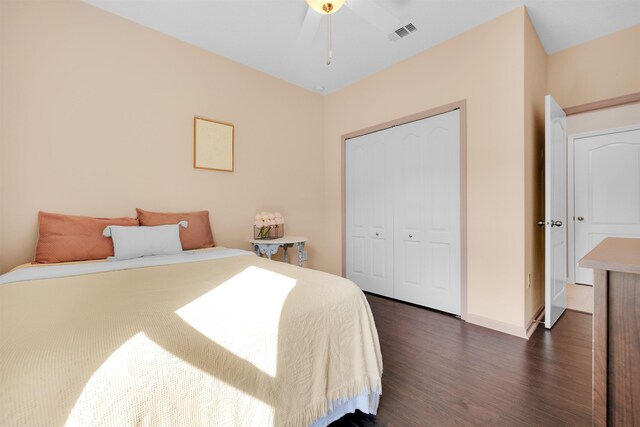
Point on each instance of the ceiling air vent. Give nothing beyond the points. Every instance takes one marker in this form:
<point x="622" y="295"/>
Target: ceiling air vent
<point x="402" y="32"/>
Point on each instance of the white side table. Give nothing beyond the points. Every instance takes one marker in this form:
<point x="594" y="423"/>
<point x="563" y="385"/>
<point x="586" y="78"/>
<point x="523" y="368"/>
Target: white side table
<point x="269" y="247"/>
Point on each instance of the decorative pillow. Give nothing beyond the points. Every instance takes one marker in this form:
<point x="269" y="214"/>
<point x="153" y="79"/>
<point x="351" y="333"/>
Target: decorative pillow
<point x="65" y="238"/>
<point x="136" y="242"/>
<point x="197" y="236"/>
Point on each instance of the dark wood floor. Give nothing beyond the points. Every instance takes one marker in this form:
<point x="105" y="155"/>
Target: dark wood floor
<point x="440" y="371"/>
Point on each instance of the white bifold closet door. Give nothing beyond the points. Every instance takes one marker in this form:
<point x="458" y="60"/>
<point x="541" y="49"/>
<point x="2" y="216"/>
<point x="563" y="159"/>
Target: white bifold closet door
<point x="369" y="230"/>
<point x="403" y="212"/>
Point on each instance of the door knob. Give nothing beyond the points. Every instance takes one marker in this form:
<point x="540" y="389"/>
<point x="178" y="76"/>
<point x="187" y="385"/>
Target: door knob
<point x="580" y="218"/>
<point x="377" y="234"/>
<point x="410" y="236"/>
<point x="556" y="223"/>
<point x="541" y="223"/>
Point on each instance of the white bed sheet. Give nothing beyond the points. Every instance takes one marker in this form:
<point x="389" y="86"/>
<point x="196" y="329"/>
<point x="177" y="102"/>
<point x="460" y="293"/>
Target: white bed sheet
<point x="68" y="270"/>
<point x="366" y="402"/>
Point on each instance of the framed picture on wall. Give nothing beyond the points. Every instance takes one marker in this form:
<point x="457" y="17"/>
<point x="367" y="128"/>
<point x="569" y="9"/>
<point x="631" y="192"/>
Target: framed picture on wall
<point x="212" y="145"/>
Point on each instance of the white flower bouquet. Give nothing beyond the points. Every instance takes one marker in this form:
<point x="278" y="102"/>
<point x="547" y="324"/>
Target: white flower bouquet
<point x="268" y="225"/>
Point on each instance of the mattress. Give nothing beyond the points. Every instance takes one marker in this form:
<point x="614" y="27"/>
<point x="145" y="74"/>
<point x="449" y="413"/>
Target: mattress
<point x="215" y="337"/>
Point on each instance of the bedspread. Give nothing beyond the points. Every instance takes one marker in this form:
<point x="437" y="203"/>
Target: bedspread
<point x="234" y="341"/>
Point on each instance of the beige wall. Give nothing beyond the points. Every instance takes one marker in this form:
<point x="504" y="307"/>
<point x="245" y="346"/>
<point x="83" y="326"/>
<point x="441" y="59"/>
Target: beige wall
<point x="600" y="69"/>
<point x="97" y="119"/>
<point x="607" y="118"/>
<point x="535" y="89"/>
<point x="485" y="66"/>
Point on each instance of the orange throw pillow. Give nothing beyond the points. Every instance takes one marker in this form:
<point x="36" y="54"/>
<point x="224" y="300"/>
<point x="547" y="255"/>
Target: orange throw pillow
<point x="196" y="236"/>
<point x="65" y="238"/>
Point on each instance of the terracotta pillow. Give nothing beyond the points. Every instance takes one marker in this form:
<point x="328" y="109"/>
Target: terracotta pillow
<point x="65" y="238"/>
<point x="196" y="236"/>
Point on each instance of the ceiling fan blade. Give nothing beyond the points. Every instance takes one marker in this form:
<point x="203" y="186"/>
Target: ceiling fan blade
<point x="309" y="28"/>
<point x="375" y="14"/>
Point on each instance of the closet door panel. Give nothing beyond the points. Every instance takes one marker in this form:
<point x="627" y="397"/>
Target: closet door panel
<point x="410" y="273"/>
<point x="441" y="277"/>
<point x="381" y="216"/>
<point x="443" y="219"/>
<point x="378" y="183"/>
<point x="409" y="213"/>
<point x="358" y="263"/>
<point x="369" y="216"/>
<point x="356" y="188"/>
<point x="427" y="212"/>
<point x="439" y="184"/>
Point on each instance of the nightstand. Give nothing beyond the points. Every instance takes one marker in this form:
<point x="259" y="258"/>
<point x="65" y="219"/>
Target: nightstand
<point x="269" y="247"/>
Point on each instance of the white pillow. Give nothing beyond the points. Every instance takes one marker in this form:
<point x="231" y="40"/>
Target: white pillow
<point x="139" y="241"/>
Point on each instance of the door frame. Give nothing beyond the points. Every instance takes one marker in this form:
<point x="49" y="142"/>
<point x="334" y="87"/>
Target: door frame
<point x="458" y="105"/>
<point x="571" y="141"/>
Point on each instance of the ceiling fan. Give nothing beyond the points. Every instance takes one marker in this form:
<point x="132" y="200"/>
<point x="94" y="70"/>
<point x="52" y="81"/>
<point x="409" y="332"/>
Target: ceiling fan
<point x="369" y="10"/>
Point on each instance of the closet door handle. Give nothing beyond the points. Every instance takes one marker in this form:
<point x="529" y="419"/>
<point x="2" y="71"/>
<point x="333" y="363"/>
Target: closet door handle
<point x="410" y="236"/>
<point x="377" y="234"/>
<point x="580" y="218"/>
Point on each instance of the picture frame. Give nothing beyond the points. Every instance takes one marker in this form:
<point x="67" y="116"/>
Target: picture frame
<point x="213" y="145"/>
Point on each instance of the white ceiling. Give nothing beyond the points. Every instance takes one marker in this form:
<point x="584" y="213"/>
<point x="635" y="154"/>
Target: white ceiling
<point x="264" y="34"/>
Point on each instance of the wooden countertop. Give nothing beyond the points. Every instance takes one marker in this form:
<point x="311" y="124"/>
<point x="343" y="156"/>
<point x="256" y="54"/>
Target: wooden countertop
<point x="614" y="254"/>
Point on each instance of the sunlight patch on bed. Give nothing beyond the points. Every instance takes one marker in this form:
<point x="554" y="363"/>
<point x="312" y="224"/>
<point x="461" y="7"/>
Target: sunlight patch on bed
<point x="142" y="383"/>
<point x="243" y="315"/>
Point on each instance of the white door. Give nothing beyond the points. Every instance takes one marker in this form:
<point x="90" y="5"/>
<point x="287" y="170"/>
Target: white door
<point x="427" y="212"/>
<point x="369" y="215"/>
<point x="555" y="166"/>
<point x="607" y="191"/>
<point x="403" y="212"/>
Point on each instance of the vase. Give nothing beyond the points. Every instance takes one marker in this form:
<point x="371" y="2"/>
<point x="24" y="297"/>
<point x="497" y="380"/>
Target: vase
<point x="268" y="232"/>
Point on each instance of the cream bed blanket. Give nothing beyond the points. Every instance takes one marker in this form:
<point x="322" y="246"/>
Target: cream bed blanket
<point x="240" y="341"/>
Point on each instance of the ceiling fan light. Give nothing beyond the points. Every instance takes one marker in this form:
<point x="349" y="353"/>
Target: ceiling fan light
<point x="325" y="7"/>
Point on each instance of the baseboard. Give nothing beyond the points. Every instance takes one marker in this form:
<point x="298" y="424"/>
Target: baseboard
<point x="496" y="325"/>
<point x="533" y="322"/>
<point x="579" y="311"/>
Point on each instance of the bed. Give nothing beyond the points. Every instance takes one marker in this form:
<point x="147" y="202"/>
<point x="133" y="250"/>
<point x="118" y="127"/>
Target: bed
<point x="207" y="337"/>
